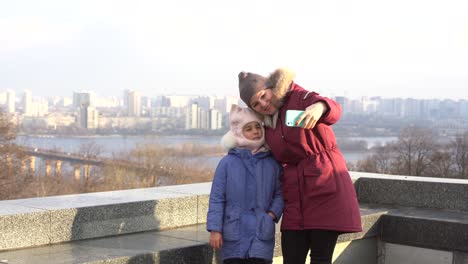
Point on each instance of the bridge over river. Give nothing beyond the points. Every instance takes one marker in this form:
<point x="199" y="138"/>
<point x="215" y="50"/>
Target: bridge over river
<point x="82" y="164"/>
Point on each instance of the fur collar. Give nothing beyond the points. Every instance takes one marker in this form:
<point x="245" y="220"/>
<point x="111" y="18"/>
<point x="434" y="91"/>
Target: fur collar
<point x="280" y="81"/>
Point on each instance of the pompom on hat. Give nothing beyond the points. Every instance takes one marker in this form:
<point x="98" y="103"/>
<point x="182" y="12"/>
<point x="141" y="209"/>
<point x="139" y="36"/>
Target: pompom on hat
<point x="238" y="118"/>
<point x="250" y="84"/>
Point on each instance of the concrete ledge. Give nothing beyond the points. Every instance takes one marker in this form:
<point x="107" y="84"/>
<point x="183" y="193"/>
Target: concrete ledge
<point x="182" y="245"/>
<point x="55" y="219"/>
<point x="167" y="224"/>
<point x="22" y="226"/>
<point x="435" y="229"/>
<point x="424" y="192"/>
<point x="399" y="254"/>
<point x="370" y="219"/>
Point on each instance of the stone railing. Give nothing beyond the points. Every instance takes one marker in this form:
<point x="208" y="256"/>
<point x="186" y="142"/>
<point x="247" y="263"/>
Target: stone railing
<point x="405" y="220"/>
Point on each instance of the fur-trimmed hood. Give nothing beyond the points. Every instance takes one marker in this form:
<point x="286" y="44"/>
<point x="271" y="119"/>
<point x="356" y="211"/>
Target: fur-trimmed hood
<point x="280" y="82"/>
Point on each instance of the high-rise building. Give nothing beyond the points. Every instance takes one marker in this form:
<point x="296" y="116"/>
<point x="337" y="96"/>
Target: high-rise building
<point x="179" y="100"/>
<point x="108" y="102"/>
<point x="66" y="101"/>
<point x="216" y="119"/>
<point x="341" y="100"/>
<point x="87" y="114"/>
<point x="192" y="120"/>
<point x="88" y="117"/>
<point x="39" y="108"/>
<point x="27" y="103"/>
<point x="198" y="118"/>
<point x="10" y="101"/>
<point x="2" y="98"/>
<point x="84" y="98"/>
<point x="204" y="119"/>
<point x="204" y="102"/>
<point x="132" y="100"/>
<point x="161" y="101"/>
<point x="224" y="104"/>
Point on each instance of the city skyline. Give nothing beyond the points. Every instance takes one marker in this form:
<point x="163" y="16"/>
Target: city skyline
<point x="403" y="49"/>
<point x="119" y="98"/>
<point x="87" y="113"/>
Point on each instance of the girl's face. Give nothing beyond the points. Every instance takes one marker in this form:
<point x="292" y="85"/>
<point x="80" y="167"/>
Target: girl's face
<point x="264" y="102"/>
<point x="252" y="131"/>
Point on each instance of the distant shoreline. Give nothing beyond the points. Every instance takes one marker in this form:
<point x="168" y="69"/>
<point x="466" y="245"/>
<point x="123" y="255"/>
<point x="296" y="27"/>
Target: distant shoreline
<point x="111" y="136"/>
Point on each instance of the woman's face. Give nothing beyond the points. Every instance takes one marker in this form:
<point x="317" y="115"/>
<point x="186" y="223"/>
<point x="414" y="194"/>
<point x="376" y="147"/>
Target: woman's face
<point x="264" y="102"/>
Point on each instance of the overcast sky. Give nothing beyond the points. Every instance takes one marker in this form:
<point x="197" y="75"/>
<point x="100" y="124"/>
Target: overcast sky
<point x="398" y="48"/>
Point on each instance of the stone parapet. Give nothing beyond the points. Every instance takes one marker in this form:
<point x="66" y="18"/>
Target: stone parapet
<point x="426" y="228"/>
<point x="48" y="220"/>
<point x="181" y="245"/>
<point x="167" y="224"/>
<point x="422" y="192"/>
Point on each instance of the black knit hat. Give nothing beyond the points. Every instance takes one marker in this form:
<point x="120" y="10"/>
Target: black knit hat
<point x="250" y="84"/>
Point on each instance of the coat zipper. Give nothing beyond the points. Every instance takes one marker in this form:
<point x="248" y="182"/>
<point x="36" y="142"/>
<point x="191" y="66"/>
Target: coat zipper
<point x="298" y="183"/>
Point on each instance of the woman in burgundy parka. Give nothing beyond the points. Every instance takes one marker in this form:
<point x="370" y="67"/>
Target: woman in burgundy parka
<point x="320" y="200"/>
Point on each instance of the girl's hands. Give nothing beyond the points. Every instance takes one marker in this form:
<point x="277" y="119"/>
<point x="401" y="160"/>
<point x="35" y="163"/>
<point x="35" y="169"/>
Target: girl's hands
<point x="216" y="239"/>
<point x="272" y="215"/>
<point x="312" y="114"/>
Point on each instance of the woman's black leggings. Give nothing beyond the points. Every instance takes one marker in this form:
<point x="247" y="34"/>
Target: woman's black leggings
<point x="296" y="243"/>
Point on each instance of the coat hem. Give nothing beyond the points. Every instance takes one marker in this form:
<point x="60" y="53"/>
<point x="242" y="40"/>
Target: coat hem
<point x="331" y="228"/>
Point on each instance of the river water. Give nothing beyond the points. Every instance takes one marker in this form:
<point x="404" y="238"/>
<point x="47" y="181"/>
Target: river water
<point x="119" y="143"/>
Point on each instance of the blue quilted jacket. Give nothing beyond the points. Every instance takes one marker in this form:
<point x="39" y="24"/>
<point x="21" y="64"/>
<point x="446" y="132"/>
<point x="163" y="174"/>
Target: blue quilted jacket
<point x="245" y="187"/>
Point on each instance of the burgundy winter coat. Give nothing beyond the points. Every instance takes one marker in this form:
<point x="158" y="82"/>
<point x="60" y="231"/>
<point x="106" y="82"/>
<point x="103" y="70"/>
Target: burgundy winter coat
<point x="316" y="185"/>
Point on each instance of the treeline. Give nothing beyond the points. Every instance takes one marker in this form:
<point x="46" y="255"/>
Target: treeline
<point x="142" y="167"/>
<point x="419" y="152"/>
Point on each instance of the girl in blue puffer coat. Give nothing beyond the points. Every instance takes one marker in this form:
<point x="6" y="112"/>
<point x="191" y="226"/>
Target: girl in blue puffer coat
<point x="245" y="199"/>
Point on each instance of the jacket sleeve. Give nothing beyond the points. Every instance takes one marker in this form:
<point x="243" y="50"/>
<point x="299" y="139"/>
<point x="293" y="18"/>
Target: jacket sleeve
<point x="217" y="199"/>
<point x="277" y="205"/>
<point x="333" y="113"/>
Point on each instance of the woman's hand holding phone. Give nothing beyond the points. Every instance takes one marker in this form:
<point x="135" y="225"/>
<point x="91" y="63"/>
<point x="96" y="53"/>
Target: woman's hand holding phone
<point x="308" y="118"/>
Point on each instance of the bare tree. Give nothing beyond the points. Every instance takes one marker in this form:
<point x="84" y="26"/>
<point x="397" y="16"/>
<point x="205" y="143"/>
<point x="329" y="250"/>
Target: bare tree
<point x="90" y="149"/>
<point x="381" y="161"/>
<point x="367" y="165"/>
<point x="166" y="166"/>
<point x="414" y="148"/>
<point x="183" y="170"/>
<point x="12" y="177"/>
<point x="150" y="157"/>
<point x="7" y="128"/>
<point x="460" y="155"/>
<point x="384" y="158"/>
<point x="441" y="164"/>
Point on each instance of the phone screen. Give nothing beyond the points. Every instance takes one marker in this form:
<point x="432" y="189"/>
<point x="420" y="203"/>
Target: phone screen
<point x="292" y="116"/>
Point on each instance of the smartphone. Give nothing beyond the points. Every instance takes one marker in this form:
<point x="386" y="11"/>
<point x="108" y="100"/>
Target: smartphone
<point x="292" y="116"/>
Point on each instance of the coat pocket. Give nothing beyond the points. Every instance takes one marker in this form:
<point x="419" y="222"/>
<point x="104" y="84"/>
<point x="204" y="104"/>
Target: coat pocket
<point x="266" y="228"/>
<point x="231" y="223"/>
<point x="319" y="178"/>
